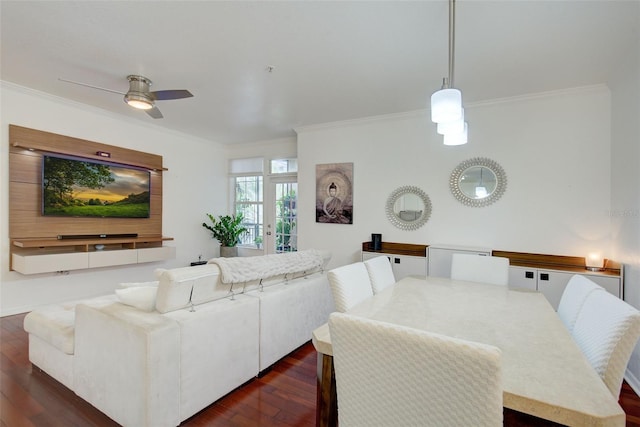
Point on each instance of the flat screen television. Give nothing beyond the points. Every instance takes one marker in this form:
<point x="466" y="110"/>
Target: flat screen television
<point x="78" y="187"/>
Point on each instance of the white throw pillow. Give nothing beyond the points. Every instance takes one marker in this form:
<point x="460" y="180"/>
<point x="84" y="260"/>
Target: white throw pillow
<point x="138" y="284"/>
<point x="141" y="297"/>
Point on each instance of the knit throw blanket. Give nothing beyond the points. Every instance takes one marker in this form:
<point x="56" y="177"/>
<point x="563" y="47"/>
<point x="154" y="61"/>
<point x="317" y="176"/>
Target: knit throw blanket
<point x="245" y="269"/>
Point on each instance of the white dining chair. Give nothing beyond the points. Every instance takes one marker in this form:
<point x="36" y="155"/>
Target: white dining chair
<point x="573" y="298"/>
<point x="607" y="330"/>
<point x="480" y="268"/>
<point x="349" y="284"/>
<point x="391" y="375"/>
<point x="380" y="273"/>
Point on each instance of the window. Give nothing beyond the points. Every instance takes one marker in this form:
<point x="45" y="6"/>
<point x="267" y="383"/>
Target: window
<point x="286" y="234"/>
<point x="249" y="203"/>
<point x="284" y="182"/>
<point x="282" y="166"/>
<point x="247" y="181"/>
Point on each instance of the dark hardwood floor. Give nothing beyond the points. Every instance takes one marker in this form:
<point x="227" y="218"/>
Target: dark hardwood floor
<point x="284" y="396"/>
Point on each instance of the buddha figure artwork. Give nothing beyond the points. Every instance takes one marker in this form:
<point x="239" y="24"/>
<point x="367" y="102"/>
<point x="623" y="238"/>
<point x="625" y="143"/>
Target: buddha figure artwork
<point x="334" y="193"/>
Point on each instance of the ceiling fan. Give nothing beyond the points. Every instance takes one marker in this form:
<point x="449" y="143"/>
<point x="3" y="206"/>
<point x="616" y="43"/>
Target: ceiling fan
<point x="139" y="96"/>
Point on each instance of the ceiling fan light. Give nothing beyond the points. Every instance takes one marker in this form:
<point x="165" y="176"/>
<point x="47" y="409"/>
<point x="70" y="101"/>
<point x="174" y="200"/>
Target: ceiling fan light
<point x="459" y="138"/>
<point x="138" y="101"/>
<point x="456" y="126"/>
<point x="446" y="105"/>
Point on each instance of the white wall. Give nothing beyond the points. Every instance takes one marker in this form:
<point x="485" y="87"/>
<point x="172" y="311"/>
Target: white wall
<point x="625" y="194"/>
<point x="195" y="183"/>
<point x="554" y="148"/>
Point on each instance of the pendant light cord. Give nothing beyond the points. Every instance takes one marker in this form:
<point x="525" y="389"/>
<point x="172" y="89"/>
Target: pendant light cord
<point x="452" y="39"/>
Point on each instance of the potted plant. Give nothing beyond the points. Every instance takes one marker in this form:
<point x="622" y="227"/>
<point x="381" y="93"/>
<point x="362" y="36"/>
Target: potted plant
<point x="227" y="229"/>
<point x="258" y="242"/>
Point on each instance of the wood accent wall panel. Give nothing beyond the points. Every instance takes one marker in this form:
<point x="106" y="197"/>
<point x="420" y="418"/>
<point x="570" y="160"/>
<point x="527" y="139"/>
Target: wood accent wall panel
<point x="25" y="188"/>
<point x="46" y="141"/>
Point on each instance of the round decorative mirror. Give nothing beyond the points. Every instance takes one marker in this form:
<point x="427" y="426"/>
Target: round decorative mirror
<point x="478" y="182"/>
<point x="408" y="208"/>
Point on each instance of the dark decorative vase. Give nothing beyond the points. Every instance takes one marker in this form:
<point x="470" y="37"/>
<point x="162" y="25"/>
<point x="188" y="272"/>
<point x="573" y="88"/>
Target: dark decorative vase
<point x="376" y="241"/>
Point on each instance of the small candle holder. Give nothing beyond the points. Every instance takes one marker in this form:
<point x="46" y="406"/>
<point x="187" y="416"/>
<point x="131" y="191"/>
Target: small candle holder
<point x="594" y="262"/>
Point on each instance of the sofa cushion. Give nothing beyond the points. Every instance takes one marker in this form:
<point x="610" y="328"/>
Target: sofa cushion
<point x="141" y="297"/>
<point x="289" y="313"/>
<point x="55" y="323"/>
<point x="181" y="287"/>
<point x="290" y="265"/>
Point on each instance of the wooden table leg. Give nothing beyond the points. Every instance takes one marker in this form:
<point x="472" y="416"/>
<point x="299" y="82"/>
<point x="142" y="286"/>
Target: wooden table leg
<point x="327" y="401"/>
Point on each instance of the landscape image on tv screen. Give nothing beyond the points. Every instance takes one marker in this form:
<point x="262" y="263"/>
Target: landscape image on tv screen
<point x="85" y="188"/>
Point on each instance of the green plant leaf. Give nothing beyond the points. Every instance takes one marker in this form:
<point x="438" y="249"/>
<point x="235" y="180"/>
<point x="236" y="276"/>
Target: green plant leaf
<point x="227" y="229"/>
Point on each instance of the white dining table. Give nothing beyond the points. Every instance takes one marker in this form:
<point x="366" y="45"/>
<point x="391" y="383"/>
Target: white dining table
<point x="544" y="372"/>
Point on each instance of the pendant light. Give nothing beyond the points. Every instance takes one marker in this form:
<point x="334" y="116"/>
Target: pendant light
<point x="446" y="104"/>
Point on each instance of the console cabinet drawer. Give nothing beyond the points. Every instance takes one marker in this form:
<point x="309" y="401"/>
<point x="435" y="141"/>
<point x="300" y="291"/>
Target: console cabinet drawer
<point x="553" y="282"/>
<point x="47" y="263"/>
<point x="111" y="258"/>
<point x="35" y="262"/>
<point x="156" y="254"/>
<point x="402" y="265"/>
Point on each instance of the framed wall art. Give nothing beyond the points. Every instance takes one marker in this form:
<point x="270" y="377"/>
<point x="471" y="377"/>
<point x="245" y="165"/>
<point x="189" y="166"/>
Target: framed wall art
<point x="334" y="193"/>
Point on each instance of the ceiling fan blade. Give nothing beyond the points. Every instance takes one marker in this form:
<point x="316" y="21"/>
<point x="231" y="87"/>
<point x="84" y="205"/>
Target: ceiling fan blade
<point x="155" y="113"/>
<point x="92" y="86"/>
<point x="163" y="95"/>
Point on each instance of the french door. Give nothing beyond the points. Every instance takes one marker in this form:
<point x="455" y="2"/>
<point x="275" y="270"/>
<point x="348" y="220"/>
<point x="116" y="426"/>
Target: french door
<point x="280" y="231"/>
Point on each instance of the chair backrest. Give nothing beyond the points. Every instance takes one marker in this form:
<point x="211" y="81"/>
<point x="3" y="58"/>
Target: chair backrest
<point x="480" y="268"/>
<point x="393" y="375"/>
<point x="606" y="331"/>
<point x="380" y="273"/>
<point x="573" y="298"/>
<point x="350" y="284"/>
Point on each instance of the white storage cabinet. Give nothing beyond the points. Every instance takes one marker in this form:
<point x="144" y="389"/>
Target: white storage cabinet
<point x="439" y="256"/>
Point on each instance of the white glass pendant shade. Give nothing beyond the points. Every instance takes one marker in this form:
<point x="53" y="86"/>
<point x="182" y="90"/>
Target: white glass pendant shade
<point x="481" y="192"/>
<point x="446" y="105"/>
<point x="456" y="138"/>
<point x="456" y="126"/>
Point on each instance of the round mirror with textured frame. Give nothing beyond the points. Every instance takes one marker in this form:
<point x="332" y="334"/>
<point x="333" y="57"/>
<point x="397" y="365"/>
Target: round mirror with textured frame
<point x="478" y="182"/>
<point x="408" y="207"/>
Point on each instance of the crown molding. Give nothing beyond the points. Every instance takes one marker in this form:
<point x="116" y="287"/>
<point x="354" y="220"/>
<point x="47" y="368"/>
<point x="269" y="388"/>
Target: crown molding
<point x="364" y="120"/>
<point x="426" y="111"/>
<point x="99" y="111"/>
<point x="600" y="87"/>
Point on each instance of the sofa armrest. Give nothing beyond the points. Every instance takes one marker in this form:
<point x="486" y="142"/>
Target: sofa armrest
<point x="127" y="364"/>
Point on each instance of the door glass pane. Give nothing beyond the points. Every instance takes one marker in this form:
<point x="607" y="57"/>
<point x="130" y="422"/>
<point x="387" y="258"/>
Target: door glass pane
<point x="286" y="235"/>
<point x="249" y="204"/>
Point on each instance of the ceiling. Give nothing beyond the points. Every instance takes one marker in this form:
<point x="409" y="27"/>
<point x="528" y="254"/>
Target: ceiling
<point x="331" y="60"/>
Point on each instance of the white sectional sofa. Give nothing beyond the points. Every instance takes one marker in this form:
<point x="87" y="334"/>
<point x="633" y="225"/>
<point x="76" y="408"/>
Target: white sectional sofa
<point x="156" y="354"/>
